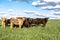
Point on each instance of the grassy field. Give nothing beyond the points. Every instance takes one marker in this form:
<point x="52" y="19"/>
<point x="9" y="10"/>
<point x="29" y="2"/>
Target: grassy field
<point x="50" y="32"/>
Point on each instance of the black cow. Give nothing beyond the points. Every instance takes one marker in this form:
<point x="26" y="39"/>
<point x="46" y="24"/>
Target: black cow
<point x="7" y="21"/>
<point x="27" y="22"/>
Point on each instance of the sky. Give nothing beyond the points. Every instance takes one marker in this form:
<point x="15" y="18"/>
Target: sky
<point x="30" y="8"/>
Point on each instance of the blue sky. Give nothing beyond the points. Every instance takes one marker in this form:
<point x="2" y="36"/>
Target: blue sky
<point x="33" y="9"/>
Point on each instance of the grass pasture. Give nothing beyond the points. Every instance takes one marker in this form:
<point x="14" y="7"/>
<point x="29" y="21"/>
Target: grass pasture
<point x="50" y="32"/>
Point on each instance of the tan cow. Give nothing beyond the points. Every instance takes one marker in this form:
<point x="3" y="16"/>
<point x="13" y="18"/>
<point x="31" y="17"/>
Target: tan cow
<point x="3" y="21"/>
<point x="16" y="21"/>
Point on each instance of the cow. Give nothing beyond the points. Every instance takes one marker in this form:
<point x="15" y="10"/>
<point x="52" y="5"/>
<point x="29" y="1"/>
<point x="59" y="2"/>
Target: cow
<point x="27" y="22"/>
<point x="38" y="21"/>
<point x="7" y="22"/>
<point x="16" y="21"/>
<point x="3" y="21"/>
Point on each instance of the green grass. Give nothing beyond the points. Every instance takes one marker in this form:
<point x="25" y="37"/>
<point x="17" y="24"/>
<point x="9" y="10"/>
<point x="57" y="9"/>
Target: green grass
<point x="50" y="32"/>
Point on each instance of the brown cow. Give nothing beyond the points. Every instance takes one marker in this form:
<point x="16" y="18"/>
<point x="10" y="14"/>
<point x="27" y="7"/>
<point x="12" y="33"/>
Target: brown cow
<point x="18" y="21"/>
<point x="5" y="21"/>
<point x="38" y="21"/>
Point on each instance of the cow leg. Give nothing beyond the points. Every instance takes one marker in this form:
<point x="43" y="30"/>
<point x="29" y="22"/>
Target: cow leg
<point x="11" y="25"/>
<point x="44" y="25"/>
<point x="6" y="24"/>
<point x="36" y="24"/>
<point x="3" y="24"/>
<point x="19" y="25"/>
<point x="29" y="25"/>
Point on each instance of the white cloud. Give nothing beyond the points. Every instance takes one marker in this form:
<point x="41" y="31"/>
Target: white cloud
<point x="1" y="12"/>
<point x="57" y="6"/>
<point x="38" y="3"/>
<point x="28" y="11"/>
<point x="9" y="13"/>
<point x="10" y="10"/>
<point x="35" y="3"/>
<point x="49" y="7"/>
<point x="48" y="4"/>
<point x="52" y="1"/>
<point x="45" y="3"/>
<point x="56" y="13"/>
<point x="50" y="15"/>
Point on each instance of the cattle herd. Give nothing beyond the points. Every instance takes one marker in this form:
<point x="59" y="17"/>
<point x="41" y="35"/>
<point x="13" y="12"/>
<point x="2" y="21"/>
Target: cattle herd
<point x="23" y="22"/>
